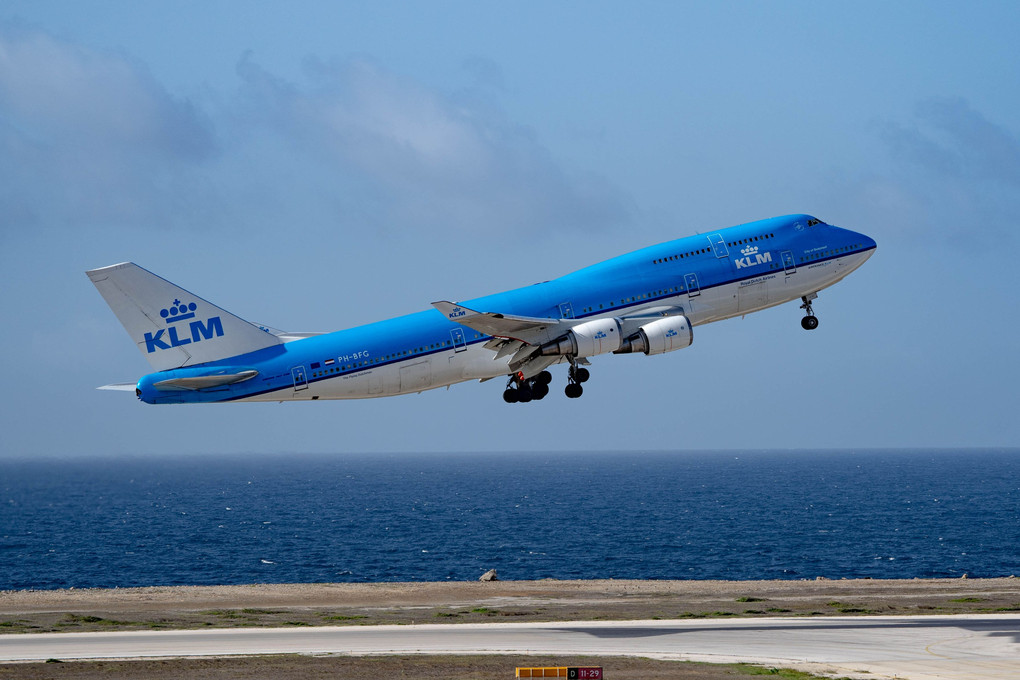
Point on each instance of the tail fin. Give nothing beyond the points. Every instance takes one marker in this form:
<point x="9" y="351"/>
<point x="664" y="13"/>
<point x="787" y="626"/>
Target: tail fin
<point x="171" y="326"/>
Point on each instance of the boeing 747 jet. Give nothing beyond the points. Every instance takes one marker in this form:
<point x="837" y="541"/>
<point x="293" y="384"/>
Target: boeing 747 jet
<point x="648" y="302"/>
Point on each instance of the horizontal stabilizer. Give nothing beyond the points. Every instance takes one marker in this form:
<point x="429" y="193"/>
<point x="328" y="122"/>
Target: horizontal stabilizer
<point x="120" y="387"/>
<point x="202" y="382"/>
<point x="288" y="336"/>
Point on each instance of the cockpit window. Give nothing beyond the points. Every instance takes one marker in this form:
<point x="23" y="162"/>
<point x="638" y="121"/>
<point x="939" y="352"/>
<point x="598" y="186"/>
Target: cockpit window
<point x="812" y="222"/>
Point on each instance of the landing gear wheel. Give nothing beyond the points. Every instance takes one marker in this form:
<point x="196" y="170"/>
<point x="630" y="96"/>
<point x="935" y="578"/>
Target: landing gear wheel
<point x="581" y="375"/>
<point x="573" y="390"/>
<point x="521" y="391"/>
<point x="810" y="321"/>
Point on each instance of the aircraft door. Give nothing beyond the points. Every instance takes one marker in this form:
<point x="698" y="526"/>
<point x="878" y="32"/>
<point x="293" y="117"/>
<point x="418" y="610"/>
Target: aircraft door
<point x="691" y="281"/>
<point x="566" y="311"/>
<point x="788" y="264"/>
<point x="300" y="380"/>
<point x="719" y="245"/>
<point x="459" y="344"/>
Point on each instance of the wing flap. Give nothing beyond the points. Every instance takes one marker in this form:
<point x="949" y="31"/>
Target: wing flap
<point x="508" y="347"/>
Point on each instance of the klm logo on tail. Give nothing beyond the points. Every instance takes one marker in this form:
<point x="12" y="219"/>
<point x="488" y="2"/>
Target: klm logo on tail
<point x="752" y="257"/>
<point x="198" y="330"/>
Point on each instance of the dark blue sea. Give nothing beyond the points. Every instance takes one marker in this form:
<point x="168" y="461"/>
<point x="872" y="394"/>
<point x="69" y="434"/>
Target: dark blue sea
<point x="433" y="517"/>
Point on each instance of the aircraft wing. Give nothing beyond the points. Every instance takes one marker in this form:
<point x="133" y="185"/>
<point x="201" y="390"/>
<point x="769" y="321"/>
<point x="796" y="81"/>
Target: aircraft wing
<point x="527" y="329"/>
<point x="523" y="336"/>
<point x="520" y="336"/>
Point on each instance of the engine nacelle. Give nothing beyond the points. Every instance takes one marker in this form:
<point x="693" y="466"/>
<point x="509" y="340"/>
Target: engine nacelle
<point x="587" y="339"/>
<point x="660" y="336"/>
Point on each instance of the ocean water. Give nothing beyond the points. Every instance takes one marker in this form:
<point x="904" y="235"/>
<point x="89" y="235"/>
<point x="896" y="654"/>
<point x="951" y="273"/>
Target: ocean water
<point x="433" y="517"/>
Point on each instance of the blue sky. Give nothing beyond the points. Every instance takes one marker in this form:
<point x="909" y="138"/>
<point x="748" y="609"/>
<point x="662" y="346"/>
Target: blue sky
<point x="319" y="165"/>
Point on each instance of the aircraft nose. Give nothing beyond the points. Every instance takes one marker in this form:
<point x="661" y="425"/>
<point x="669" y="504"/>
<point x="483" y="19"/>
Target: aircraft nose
<point x="865" y="241"/>
<point x="868" y="244"/>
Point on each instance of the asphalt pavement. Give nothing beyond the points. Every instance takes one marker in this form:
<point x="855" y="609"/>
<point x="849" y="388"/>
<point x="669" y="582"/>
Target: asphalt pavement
<point x="964" y="647"/>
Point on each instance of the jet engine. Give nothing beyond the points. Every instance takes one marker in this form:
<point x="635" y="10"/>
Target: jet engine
<point x="660" y="336"/>
<point x="586" y="340"/>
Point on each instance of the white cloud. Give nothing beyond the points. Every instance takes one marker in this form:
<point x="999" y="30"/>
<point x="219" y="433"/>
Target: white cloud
<point x="951" y="139"/>
<point x="429" y="158"/>
<point x="89" y="136"/>
<point x="956" y="171"/>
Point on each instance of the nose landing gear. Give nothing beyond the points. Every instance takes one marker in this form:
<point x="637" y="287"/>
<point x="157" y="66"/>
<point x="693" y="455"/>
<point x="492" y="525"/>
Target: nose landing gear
<point x="810" y="321"/>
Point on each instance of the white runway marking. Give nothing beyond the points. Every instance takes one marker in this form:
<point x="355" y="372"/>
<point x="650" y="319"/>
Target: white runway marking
<point x="970" y="647"/>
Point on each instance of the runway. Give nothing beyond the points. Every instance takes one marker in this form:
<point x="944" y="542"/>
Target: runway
<point x="971" y="647"/>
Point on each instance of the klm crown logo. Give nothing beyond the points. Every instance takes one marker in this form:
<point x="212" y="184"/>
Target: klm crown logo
<point x="749" y="250"/>
<point x="198" y="330"/>
<point x="457" y="312"/>
<point x="179" y="311"/>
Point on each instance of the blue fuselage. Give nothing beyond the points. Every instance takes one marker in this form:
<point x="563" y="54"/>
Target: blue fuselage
<point x="706" y="277"/>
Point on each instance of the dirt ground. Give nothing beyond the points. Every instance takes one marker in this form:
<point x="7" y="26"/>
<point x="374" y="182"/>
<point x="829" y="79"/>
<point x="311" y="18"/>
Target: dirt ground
<point x="333" y="604"/>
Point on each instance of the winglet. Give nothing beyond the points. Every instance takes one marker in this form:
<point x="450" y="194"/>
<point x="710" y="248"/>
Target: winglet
<point x="453" y="311"/>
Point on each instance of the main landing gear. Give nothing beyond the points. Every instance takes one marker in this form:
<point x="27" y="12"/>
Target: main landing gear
<point x="810" y="321"/>
<point x="576" y="375"/>
<point x="520" y="390"/>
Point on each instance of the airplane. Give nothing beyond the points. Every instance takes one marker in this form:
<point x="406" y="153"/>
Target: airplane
<point x="646" y="302"/>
